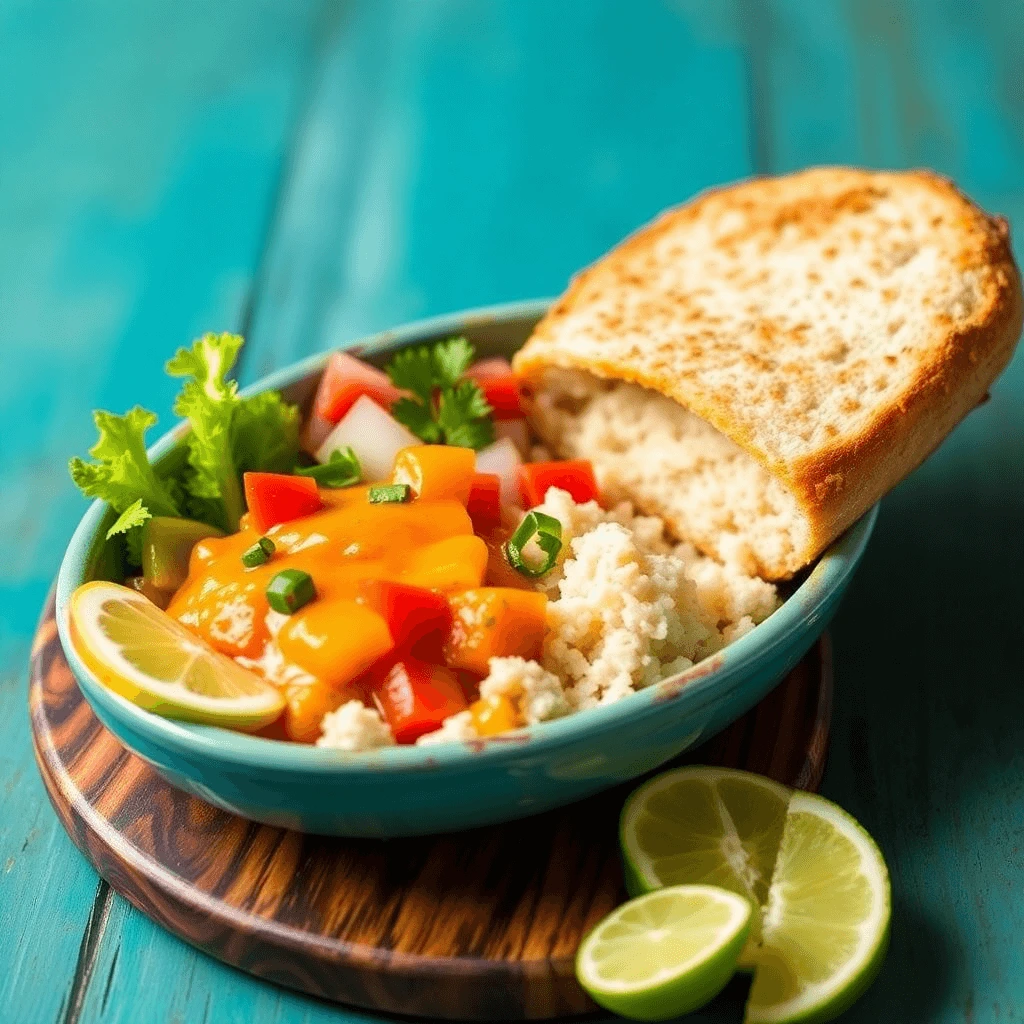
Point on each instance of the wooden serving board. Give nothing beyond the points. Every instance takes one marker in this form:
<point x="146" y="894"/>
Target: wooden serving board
<point x="478" y="926"/>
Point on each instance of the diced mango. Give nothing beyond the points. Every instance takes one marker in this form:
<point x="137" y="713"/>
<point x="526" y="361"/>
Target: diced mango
<point x="493" y="715"/>
<point x="436" y="471"/>
<point x="494" y="622"/>
<point x="335" y="641"/>
<point x="447" y="565"/>
<point x="307" y="703"/>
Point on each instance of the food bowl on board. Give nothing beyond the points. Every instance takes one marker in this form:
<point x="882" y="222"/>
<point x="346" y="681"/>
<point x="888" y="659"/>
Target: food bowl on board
<point x="416" y="790"/>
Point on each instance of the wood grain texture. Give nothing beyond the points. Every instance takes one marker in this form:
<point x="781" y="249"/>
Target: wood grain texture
<point x="481" y="926"/>
<point x="482" y="156"/>
<point x="140" y="153"/>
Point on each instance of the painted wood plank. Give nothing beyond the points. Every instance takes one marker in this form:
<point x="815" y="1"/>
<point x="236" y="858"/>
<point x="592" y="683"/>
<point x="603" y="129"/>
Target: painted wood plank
<point x="141" y="148"/>
<point x="927" y="746"/>
<point x="459" y="154"/>
<point x="453" y="154"/>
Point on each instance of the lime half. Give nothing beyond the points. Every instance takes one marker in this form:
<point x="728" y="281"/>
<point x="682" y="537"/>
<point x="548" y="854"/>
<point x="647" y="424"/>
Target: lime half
<point x="666" y="953"/>
<point x="826" y="920"/>
<point x="711" y="826"/>
<point x="143" y="654"/>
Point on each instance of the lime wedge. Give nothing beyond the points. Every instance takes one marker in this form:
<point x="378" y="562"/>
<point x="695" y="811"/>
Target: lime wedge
<point x="666" y="953"/>
<point x="711" y="826"/>
<point x="826" y="920"/>
<point x="140" y="652"/>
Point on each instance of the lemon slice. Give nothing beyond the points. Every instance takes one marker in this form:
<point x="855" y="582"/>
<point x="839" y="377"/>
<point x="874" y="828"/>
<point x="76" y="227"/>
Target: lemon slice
<point x="826" y="921"/>
<point x="666" y="953"/>
<point x="143" y="654"/>
<point x="713" y="826"/>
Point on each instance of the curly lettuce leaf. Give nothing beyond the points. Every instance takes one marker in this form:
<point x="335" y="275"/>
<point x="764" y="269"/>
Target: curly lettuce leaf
<point x="122" y="473"/>
<point x="123" y="477"/>
<point x="265" y="434"/>
<point x="230" y="435"/>
<point x="208" y="400"/>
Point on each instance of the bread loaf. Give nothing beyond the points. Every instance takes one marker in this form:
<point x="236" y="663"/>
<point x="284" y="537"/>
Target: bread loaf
<point x="760" y="365"/>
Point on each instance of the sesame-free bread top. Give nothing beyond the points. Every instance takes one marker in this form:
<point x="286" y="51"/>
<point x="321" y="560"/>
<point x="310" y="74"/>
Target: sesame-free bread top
<point x="817" y="335"/>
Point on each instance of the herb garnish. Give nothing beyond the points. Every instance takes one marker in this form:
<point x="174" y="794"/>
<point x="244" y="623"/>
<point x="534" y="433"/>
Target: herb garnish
<point x="341" y="470"/>
<point x="443" y="407"/>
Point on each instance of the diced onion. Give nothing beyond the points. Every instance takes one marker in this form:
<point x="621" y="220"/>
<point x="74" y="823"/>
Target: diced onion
<point x="517" y="432"/>
<point x="373" y="435"/>
<point x="502" y="458"/>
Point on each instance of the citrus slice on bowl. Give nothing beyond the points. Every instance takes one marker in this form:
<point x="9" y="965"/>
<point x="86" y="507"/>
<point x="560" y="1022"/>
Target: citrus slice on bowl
<point x="711" y="826"/>
<point x="141" y="653"/>
<point x="666" y="953"/>
<point x="826" y="920"/>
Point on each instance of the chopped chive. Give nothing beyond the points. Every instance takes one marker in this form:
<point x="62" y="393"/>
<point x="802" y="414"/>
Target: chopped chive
<point x="342" y="469"/>
<point x="289" y="590"/>
<point x="547" y="531"/>
<point x="390" y="494"/>
<point x="259" y="553"/>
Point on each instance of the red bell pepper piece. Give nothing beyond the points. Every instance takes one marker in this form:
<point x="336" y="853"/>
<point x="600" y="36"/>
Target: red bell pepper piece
<point x="278" y="498"/>
<point x="416" y="697"/>
<point x="500" y="387"/>
<point x="575" y="476"/>
<point x="484" y="504"/>
<point x="345" y="379"/>
<point x="416" y="618"/>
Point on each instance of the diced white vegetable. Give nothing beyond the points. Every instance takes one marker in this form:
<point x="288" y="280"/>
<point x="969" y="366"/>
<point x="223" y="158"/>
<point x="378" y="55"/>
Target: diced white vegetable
<point x="502" y="458"/>
<point x="517" y="432"/>
<point x="373" y="435"/>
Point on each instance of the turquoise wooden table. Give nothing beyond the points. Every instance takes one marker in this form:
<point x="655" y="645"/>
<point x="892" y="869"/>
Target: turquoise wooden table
<point x="306" y="172"/>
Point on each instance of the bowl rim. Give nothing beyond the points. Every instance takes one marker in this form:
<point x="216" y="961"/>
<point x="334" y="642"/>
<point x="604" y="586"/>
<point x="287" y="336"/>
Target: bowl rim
<point x="706" y="682"/>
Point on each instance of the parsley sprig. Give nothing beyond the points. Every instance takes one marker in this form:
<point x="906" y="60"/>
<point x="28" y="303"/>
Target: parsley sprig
<point x="442" y="407"/>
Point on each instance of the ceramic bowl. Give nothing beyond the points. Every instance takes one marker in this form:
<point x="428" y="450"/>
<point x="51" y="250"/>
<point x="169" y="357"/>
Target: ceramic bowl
<point x="402" y="791"/>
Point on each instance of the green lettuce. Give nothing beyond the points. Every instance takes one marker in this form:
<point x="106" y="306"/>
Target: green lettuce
<point x="230" y="435"/>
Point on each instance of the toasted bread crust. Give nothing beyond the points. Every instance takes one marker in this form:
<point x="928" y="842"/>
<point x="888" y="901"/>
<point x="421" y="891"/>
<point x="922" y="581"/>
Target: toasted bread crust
<point x="627" y="318"/>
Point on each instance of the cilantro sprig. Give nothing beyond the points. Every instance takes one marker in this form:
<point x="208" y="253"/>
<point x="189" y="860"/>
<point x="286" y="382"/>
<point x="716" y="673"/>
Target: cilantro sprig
<point x="442" y="407"/>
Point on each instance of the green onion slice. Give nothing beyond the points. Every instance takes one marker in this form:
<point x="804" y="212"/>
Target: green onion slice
<point x="289" y="590"/>
<point x="259" y="553"/>
<point x="390" y="494"/>
<point x="341" y="470"/>
<point x="547" y="531"/>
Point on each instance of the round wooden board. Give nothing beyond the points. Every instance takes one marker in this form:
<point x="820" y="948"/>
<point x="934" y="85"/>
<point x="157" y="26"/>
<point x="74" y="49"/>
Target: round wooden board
<point x="478" y="926"/>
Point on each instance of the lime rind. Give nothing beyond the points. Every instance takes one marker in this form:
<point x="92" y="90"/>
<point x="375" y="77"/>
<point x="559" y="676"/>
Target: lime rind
<point x="781" y="992"/>
<point x="665" y="953"/>
<point x="722" y="827"/>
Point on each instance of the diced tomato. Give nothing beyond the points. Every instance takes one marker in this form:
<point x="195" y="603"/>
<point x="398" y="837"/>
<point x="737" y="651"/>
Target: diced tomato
<point x="417" y="697"/>
<point x="436" y="471"/>
<point x="416" y="618"/>
<point x="278" y="498"/>
<point x="347" y="379"/>
<point x="314" y="433"/>
<point x="484" y="503"/>
<point x="575" y="476"/>
<point x="500" y="387"/>
<point x="494" y="622"/>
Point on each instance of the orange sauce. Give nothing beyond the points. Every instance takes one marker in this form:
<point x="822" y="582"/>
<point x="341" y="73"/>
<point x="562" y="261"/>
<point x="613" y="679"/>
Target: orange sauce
<point x="421" y="543"/>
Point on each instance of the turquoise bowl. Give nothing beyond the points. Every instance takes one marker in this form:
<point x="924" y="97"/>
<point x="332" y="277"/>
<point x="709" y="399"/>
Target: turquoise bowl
<point x="407" y="791"/>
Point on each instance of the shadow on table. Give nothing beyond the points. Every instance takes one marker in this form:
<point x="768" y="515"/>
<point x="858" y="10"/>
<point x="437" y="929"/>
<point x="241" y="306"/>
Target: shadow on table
<point x="928" y="733"/>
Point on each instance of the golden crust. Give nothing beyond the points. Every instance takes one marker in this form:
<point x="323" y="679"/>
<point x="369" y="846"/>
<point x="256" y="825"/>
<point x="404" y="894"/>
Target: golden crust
<point x="754" y="377"/>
